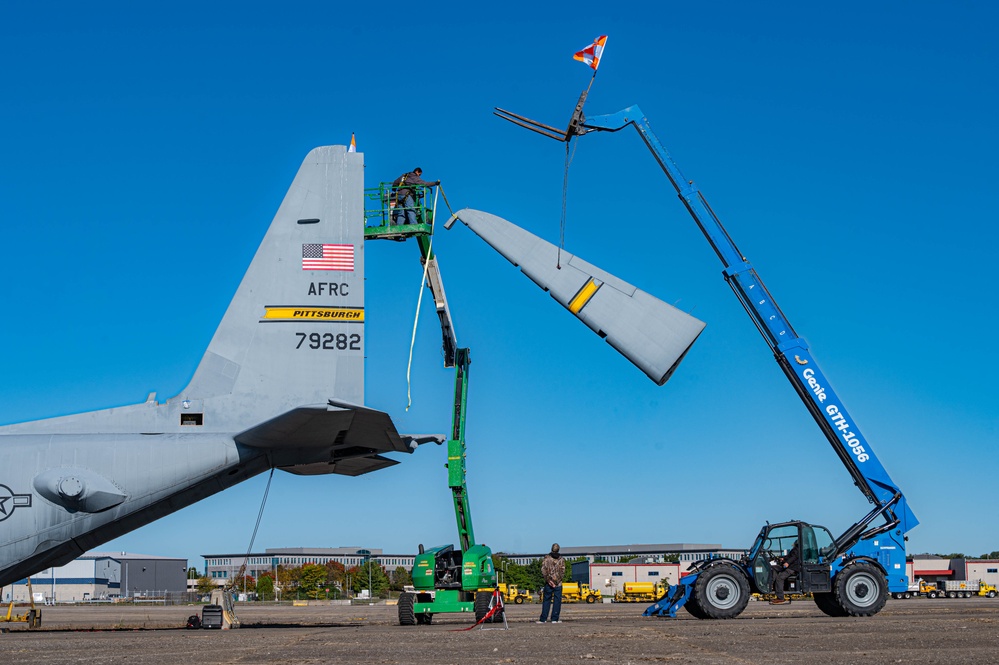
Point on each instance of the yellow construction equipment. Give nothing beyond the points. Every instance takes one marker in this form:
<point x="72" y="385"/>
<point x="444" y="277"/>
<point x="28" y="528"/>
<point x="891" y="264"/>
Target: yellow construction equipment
<point x="33" y="617"/>
<point x="574" y="592"/>
<point x="641" y="592"/>
<point x="788" y="595"/>
<point x="512" y="594"/>
<point x="949" y="589"/>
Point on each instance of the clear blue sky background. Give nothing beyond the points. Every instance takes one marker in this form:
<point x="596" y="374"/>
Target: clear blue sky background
<point x="850" y="149"/>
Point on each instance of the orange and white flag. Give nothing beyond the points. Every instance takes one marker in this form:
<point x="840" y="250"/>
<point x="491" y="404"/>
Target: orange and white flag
<point x="353" y="144"/>
<point x="591" y="54"/>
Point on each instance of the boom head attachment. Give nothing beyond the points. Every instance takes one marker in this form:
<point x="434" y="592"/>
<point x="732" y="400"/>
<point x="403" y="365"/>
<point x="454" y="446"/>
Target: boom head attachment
<point x="575" y="127"/>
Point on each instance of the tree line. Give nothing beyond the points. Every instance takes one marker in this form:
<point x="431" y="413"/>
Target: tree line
<point x="315" y="581"/>
<point x="958" y="555"/>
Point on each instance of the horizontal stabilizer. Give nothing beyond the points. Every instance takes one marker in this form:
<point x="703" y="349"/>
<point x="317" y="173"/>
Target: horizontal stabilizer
<point x="645" y="330"/>
<point x="354" y="466"/>
<point x="327" y="427"/>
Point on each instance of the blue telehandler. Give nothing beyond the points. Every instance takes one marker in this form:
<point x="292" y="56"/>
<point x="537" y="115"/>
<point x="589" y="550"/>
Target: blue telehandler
<point x="851" y="575"/>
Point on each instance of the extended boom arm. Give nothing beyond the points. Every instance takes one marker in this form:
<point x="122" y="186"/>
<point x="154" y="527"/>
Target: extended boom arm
<point x="460" y="359"/>
<point x="790" y="350"/>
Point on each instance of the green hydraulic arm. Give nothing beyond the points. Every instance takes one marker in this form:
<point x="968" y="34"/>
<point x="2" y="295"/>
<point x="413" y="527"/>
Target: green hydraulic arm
<point x="456" y="452"/>
<point x="459" y="358"/>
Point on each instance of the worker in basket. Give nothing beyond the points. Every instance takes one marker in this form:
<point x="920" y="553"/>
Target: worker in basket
<point x="405" y="193"/>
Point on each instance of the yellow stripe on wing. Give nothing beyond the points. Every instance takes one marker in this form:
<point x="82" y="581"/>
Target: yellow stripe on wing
<point x="580" y="299"/>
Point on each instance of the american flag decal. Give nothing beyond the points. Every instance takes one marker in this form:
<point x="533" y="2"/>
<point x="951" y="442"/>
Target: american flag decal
<point x="328" y="257"/>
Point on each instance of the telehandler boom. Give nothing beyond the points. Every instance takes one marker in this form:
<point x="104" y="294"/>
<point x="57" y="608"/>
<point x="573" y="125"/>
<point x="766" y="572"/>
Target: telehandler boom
<point x="849" y="575"/>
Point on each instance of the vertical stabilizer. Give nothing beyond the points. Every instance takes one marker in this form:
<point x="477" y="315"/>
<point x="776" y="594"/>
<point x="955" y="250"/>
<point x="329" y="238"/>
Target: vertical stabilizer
<point x="293" y="335"/>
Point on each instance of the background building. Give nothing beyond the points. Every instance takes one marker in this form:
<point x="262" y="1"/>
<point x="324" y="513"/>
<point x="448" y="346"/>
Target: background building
<point x="226" y="566"/>
<point x="99" y="576"/>
<point x="986" y="570"/>
<point x="609" y="578"/>
<point x="932" y="569"/>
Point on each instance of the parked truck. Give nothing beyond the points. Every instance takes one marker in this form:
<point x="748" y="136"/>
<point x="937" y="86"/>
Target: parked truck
<point x="511" y="594"/>
<point x="919" y="589"/>
<point x="575" y="592"/>
<point x="639" y="592"/>
<point x="949" y="589"/>
<point x="967" y="589"/>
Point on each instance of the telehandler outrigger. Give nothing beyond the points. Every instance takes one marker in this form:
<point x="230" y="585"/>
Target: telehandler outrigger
<point x="851" y="575"/>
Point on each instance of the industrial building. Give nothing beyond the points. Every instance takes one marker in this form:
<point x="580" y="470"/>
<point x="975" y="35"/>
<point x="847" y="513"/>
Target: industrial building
<point x="97" y="576"/>
<point x="933" y="569"/>
<point x="609" y="578"/>
<point x="604" y="567"/>
<point x="226" y="566"/>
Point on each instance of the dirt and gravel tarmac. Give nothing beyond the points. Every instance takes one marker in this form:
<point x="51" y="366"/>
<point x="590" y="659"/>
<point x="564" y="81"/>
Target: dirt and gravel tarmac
<point x="958" y="631"/>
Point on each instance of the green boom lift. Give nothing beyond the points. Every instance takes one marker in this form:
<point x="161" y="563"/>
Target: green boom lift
<point x="444" y="579"/>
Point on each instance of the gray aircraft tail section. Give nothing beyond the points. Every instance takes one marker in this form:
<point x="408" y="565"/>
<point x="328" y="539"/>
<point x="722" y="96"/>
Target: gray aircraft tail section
<point x="280" y="386"/>
<point x="293" y="335"/>
<point x="654" y="336"/>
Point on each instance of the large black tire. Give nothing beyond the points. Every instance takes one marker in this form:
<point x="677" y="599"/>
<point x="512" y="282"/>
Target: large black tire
<point x="406" y="615"/>
<point x="827" y="603"/>
<point x="932" y="594"/>
<point x="721" y="592"/>
<point x="519" y="600"/>
<point x="860" y="589"/>
<point x="991" y="594"/>
<point x="482" y="599"/>
<point x="694" y="608"/>
<point x="424" y="619"/>
<point x="591" y="598"/>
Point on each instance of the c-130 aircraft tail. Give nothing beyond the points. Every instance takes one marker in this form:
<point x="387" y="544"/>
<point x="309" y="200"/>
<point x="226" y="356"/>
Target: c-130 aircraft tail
<point x="281" y="385"/>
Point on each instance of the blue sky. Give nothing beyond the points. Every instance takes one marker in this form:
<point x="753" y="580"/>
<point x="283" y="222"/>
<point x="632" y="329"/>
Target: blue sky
<point x="849" y="149"/>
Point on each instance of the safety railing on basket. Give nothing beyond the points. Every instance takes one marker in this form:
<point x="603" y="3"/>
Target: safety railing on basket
<point x="405" y="206"/>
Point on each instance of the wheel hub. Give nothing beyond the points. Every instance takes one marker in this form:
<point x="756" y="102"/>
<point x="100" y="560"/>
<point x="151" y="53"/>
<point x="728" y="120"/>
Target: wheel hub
<point x="861" y="590"/>
<point x="722" y="592"/>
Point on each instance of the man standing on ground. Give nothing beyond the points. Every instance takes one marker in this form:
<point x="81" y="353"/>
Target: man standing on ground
<point x="553" y="571"/>
<point x="404" y="188"/>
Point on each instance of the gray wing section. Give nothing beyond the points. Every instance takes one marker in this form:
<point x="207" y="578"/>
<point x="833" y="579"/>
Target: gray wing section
<point x="653" y="335"/>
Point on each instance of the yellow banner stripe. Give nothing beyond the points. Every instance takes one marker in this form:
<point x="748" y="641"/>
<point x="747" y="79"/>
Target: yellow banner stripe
<point x="583" y="297"/>
<point x="349" y="314"/>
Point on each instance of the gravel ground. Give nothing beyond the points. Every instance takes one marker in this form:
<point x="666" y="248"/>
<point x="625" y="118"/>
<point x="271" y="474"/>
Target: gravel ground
<point x="949" y="631"/>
